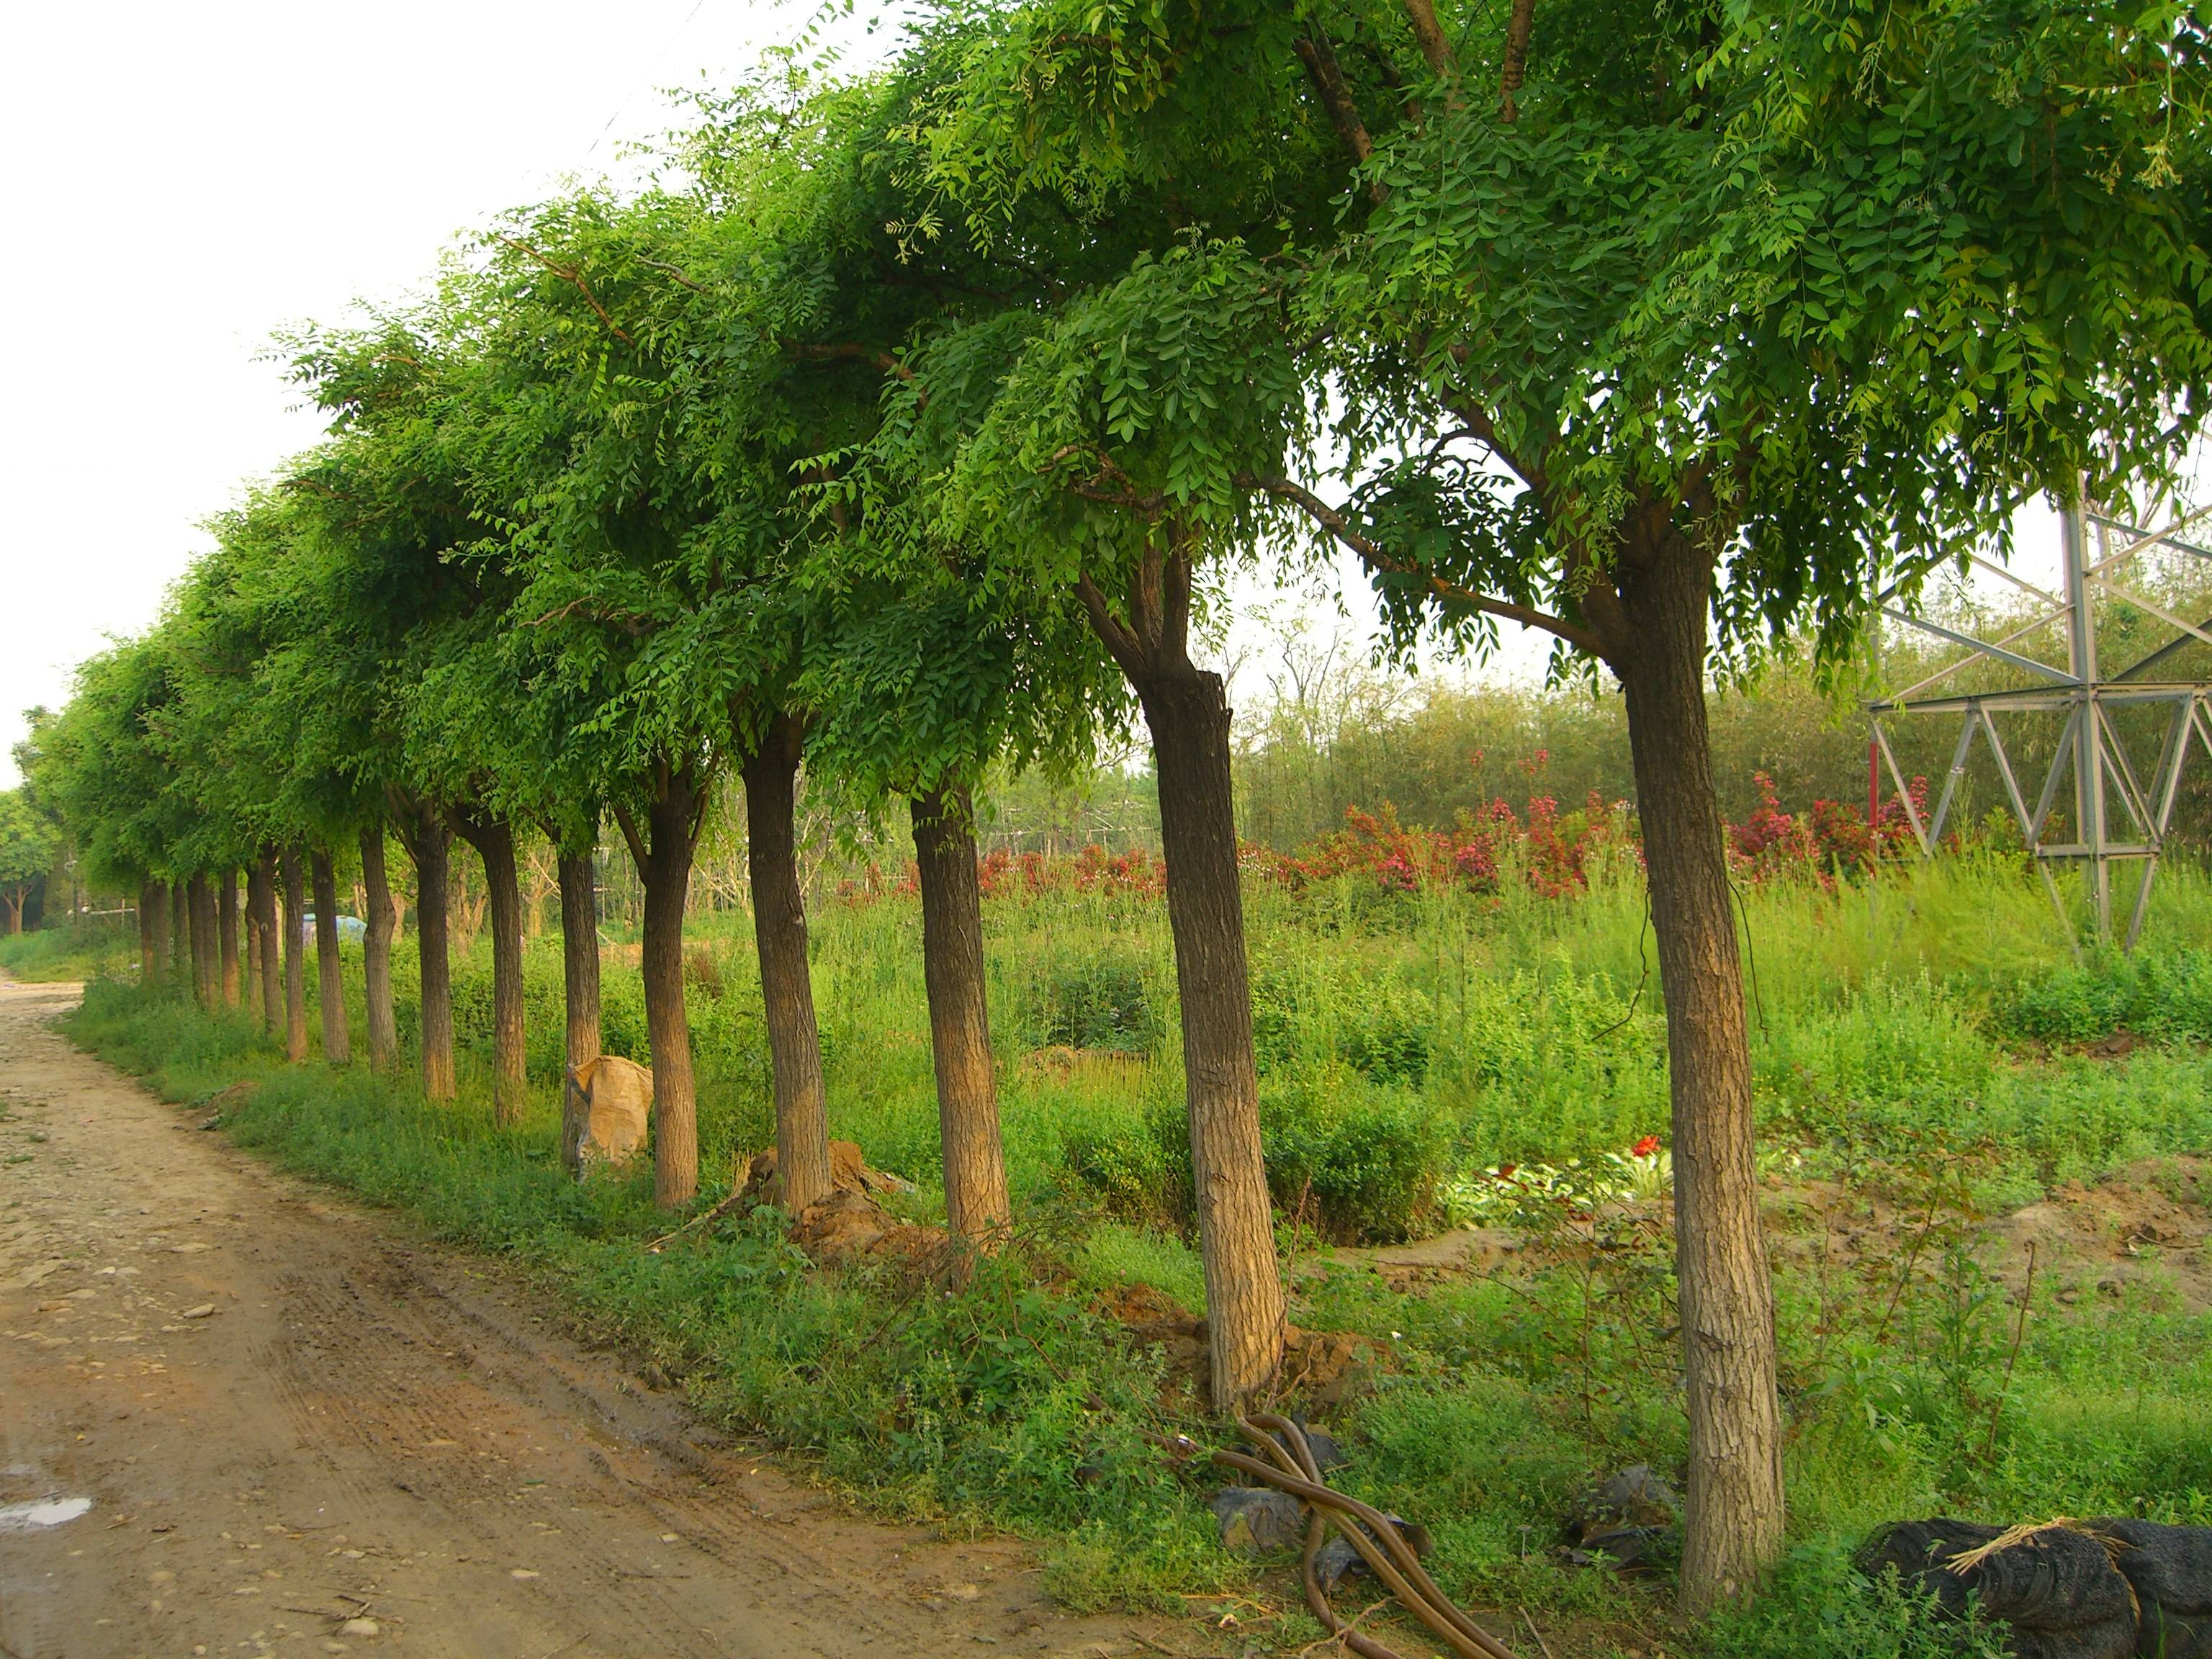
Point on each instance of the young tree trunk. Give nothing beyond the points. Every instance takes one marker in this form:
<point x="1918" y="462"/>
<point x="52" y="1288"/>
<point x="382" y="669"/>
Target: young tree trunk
<point x="975" y="1201"/>
<point x="1733" y="1529"/>
<point x="199" y="906"/>
<point x="376" y="952"/>
<point x="153" y="935"/>
<point x="495" y="844"/>
<point x="295" y="967"/>
<point x="180" y="934"/>
<point x="579" y="986"/>
<point x="429" y="844"/>
<point x="794" y="1044"/>
<point x="1187" y="710"/>
<point x="662" y="854"/>
<point x="261" y="905"/>
<point x="226" y="929"/>
<point x="1189" y="717"/>
<point x="329" y="973"/>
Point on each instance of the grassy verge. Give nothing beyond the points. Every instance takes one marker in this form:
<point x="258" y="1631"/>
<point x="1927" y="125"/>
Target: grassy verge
<point x="1927" y="1055"/>
<point x="84" y="950"/>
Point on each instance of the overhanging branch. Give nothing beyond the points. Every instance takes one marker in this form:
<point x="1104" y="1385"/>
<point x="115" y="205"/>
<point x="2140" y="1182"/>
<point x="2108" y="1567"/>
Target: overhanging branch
<point x="570" y="275"/>
<point x="1372" y="555"/>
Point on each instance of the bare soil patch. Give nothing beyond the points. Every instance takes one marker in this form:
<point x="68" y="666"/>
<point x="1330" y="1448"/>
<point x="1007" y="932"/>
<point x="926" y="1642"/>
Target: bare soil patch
<point x="294" y="1429"/>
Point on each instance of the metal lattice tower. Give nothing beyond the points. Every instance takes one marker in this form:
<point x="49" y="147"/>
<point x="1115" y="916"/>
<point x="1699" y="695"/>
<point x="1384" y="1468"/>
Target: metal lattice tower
<point x="2115" y="819"/>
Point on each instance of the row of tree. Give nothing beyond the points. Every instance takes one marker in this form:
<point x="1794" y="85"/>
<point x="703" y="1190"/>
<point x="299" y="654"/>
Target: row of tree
<point x="913" y="420"/>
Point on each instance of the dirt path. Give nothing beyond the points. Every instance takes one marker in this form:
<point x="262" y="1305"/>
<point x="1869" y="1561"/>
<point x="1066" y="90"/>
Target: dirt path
<point x="284" y="1416"/>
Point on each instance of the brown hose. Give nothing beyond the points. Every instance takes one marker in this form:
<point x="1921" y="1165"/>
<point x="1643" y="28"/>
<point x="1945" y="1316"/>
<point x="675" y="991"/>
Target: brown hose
<point x="1316" y="1534"/>
<point x="1383" y="1530"/>
<point x="1368" y="1531"/>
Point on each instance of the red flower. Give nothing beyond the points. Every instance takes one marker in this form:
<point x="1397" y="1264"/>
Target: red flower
<point x="1645" y="1147"/>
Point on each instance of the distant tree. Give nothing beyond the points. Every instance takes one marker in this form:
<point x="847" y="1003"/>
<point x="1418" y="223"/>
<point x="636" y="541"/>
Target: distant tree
<point x="27" y="845"/>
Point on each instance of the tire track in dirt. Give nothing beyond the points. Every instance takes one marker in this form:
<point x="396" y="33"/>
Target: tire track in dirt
<point x="368" y="1424"/>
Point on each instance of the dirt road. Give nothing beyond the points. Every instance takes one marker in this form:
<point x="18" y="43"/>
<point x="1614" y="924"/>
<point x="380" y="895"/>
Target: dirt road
<point x="238" y="1415"/>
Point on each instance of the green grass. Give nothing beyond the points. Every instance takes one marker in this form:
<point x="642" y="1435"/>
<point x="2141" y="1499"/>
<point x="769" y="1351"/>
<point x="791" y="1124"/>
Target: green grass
<point x="1919" y="1042"/>
<point x="85" y="950"/>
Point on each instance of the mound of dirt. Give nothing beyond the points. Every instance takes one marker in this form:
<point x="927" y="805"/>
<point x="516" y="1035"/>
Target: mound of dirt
<point x="1323" y="1369"/>
<point x="850" y="1172"/>
<point x="2145" y="1228"/>
<point x="849" y="1226"/>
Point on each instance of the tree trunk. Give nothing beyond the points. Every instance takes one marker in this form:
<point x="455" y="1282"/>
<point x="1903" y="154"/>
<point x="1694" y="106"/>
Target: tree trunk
<point x="794" y="1044"/>
<point x="1187" y="712"/>
<point x="579" y="986"/>
<point x="199" y="906"/>
<point x="295" y="968"/>
<point x="153" y="935"/>
<point x="495" y="844"/>
<point x="330" y="972"/>
<point x="429" y="845"/>
<point x="1187" y="715"/>
<point x="249" y="943"/>
<point x="261" y="903"/>
<point x="376" y="952"/>
<point x="975" y="1201"/>
<point x="664" y="864"/>
<point x="180" y="934"/>
<point x="1733" y="1529"/>
<point x="226" y="929"/>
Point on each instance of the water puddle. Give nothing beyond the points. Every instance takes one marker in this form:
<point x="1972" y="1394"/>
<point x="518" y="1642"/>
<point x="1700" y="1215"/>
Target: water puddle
<point x="50" y="1512"/>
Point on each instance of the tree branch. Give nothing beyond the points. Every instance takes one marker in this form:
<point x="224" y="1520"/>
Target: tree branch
<point x="1429" y="35"/>
<point x="636" y="842"/>
<point x="571" y="275"/>
<point x="1515" y="70"/>
<point x="657" y="265"/>
<point x="1376" y="558"/>
<point x="1128" y="495"/>
<point x="1314" y="51"/>
<point x="1120" y="644"/>
<point x="881" y="360"/>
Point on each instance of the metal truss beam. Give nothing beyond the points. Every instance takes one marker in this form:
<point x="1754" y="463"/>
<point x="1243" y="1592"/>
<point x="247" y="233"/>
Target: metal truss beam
<point x="2089" y="753"/>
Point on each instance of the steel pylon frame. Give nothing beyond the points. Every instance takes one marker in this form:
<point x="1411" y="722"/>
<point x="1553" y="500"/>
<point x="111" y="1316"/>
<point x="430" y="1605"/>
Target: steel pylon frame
<point x="2088" y="748"/>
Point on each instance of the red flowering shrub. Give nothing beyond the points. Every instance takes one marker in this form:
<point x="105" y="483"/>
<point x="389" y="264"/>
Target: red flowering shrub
<point x="1554" y="854"/>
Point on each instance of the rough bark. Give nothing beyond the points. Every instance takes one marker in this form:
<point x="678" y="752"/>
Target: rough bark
<point x="794" y="1044"/>
<point x="226" y="929"/>
<point x="295" y="967"/>
<point x="261" y="907"/>
<point x="199" y="908"/>
<point x="429" y="845"/>
<point x="153" y="935"/>
<point x="495" y="844"/>
<point x="376" y="952"/>
<point x="180" y="934"/>
<point x="330" y="971"/>
<point x="1733" y="1525"/>
<point x="1187" y="710"/>
<point x="975" y="1201"/>
<point x="580" y="980"/>
<point x="663" y="851"/>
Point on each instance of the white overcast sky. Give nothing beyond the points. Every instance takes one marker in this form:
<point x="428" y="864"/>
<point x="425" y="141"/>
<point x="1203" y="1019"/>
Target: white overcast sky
<point x="184" y="180"/>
